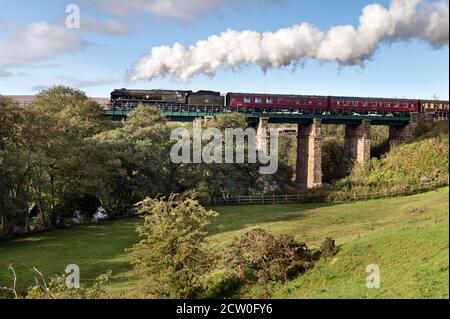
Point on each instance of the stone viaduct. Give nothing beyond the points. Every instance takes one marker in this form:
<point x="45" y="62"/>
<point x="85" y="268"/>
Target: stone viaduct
<point x="357" y="145"/>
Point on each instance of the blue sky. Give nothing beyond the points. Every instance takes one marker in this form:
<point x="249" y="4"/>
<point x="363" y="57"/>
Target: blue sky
<point x="101" y="59"/>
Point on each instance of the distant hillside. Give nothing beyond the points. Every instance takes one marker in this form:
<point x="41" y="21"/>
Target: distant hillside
<point x="26" y="99"/>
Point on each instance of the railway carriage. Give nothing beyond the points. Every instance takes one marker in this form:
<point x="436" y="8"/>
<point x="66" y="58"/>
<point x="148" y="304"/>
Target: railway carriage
<point x="439" y="109"/>
<point x="372" y="106"/>
<point x="276" y="103"/>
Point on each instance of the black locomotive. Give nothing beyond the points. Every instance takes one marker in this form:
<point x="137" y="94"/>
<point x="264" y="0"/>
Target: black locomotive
<point x="125" y="99"/>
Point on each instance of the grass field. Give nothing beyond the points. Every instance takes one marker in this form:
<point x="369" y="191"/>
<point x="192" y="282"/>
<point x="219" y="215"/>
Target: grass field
<point x="407" y="237"/>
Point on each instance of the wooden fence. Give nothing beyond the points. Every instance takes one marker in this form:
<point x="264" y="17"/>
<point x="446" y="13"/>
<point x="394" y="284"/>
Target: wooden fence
<point x="325" y="197"/>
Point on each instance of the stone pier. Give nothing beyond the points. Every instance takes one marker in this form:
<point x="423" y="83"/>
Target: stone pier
<point x="309" y="155"/>
<point x="399" y="135"/>
<point x="262" y="135"/>
<point x="357" y="144"/>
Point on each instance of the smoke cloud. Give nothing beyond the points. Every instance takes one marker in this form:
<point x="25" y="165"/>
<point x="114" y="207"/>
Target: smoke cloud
<point x="404" y="20"/>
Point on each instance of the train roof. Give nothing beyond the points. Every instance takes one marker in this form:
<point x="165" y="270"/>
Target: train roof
<point x="435" y="101"/>
<point x="280" y="95"/>
<point x="150" y="90"/>
<point x="373" y="98"/>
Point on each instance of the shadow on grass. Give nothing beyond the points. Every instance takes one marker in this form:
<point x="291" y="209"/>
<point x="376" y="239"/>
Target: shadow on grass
<point x="233" y="218"/>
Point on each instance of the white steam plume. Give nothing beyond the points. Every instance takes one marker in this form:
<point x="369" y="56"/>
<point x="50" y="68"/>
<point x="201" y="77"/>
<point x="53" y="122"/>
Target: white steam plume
<point x="402" y="21"/>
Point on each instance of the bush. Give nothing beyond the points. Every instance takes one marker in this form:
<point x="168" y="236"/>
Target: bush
<point x="260" y="256"/>
<point x="328" y="248"/>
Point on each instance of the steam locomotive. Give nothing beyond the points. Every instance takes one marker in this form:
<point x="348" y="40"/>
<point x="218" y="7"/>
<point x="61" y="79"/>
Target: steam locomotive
<point x="125" y="99"/>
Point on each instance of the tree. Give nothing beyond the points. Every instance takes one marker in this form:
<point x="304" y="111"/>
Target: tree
<point x="173" y="256"/>
<point x="13" y="171"/>
<point x="227" y="179"/>
<point x="47" y="165"/>
<point x="138" y="161"/>
<point x="84" y="115"/>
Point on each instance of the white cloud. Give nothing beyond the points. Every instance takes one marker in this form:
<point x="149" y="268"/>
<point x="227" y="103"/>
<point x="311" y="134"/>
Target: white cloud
<point x="36" y="42"/>
<point x="182" y="10"/>
<point x="110" y="26"/>
<point x="348" y="45"/>
<point x="5" y="74"/>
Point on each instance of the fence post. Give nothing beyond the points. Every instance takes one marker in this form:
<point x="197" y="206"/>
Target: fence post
<point x="262" y="197"/>
<point x="250" y="198"/>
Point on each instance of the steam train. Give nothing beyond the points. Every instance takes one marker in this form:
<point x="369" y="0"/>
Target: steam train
<point x="124" y="99"/>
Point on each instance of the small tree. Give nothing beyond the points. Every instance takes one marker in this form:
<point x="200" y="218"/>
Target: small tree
<point x="173" y="256"/>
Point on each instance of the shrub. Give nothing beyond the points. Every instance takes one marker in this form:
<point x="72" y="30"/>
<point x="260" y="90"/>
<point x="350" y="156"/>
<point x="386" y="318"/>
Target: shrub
<point x="328" y="248"/>
<point x="264" y="257"/>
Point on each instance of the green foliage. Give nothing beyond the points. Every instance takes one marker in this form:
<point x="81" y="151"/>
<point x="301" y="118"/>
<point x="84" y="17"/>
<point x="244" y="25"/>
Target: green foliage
<point x="56" y="288"/>
<point x="173" y="256"/>
<point x="221" y="180"/>
<point x="268" y="258"/>
<point x="138" y="163"/>
<point x="223" y="285"/>
<point x="333" y="159"/>
<point x="407" y="164"/>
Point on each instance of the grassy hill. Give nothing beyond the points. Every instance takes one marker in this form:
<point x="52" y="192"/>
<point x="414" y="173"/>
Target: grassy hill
<point x="407" y="237"/>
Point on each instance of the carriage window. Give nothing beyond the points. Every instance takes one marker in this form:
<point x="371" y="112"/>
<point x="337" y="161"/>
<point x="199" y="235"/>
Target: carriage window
<point x="375" y="104"/>
<point x="345" y="103"/>
<point x="247" y="100"/>
<point x="366" y="103"/>
<point x="269" y="100"/>
<point x="355" y="103"/>
<point x="396" y="105"/>
<point x="258" y="100"/>
<point x="387" y="104"/>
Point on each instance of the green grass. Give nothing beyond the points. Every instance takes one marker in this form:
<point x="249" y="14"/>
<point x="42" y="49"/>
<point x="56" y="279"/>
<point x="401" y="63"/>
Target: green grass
<point x="407" y="237"/>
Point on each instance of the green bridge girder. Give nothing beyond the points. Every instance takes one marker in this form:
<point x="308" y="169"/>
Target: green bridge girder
<point x="279" y="118"/>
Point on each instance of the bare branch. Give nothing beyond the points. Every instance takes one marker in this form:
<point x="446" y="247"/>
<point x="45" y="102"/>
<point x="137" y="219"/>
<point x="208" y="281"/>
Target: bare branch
<point x="13" y="289"/>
